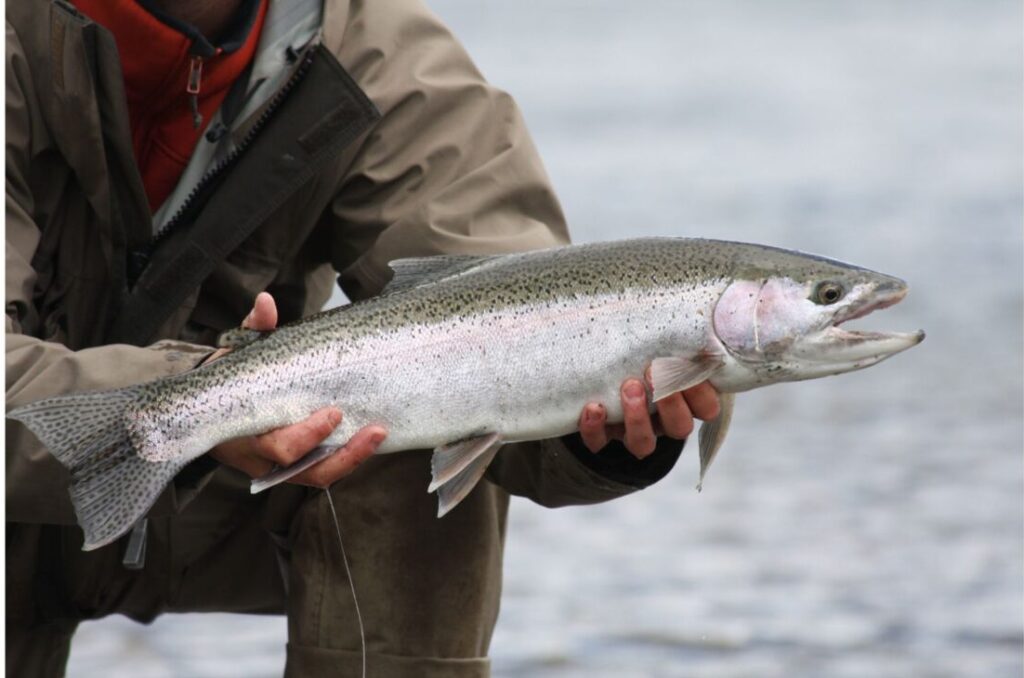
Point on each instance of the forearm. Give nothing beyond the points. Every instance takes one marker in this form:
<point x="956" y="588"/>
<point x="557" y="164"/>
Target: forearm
<point x="37" y="369"/>
<point x="563" y="472"/>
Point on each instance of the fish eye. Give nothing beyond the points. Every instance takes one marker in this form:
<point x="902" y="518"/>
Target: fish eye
<point x="828" y="293"/>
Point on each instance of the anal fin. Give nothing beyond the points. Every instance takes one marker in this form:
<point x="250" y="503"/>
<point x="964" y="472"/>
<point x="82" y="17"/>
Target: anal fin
<point x="712" y="434"/>
<point x="283" y="473"/>
<point x="456" y="468"/>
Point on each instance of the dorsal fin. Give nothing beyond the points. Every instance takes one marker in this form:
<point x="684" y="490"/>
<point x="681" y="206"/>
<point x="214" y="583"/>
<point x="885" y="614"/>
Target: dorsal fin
<point x="416" y="271"/>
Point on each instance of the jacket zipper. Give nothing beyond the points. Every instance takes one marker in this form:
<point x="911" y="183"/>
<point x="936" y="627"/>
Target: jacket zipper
<point x="140" y="258"/>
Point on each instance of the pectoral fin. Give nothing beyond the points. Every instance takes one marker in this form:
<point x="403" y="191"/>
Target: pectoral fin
<point x="712" y="434"/>
<point x="671" y="375"/>
<point x="457" y="468"/>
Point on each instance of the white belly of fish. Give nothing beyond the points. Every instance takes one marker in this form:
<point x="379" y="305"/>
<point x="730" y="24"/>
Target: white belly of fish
<point x="522" y="373"/>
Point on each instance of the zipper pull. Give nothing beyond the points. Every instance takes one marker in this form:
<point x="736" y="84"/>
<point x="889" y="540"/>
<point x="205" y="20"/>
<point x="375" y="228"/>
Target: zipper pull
<point x="195" y="81"/>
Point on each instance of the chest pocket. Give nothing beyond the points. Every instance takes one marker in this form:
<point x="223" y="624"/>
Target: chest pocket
<point x="243" y="221"/>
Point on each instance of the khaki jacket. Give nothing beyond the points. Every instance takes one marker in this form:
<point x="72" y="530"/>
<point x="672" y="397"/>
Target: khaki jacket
<point x="385" y="142"/>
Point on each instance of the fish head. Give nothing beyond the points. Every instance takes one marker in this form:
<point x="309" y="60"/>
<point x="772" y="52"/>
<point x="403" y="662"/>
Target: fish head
<point x="782" y="320"/>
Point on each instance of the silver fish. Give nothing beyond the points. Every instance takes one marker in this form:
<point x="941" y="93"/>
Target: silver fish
<point x="462" y="354"/>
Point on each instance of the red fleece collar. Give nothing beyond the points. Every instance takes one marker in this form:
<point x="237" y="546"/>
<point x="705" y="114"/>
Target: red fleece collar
<point x="156" y="63"/>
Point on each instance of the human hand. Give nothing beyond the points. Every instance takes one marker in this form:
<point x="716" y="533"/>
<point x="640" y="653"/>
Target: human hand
<point x="639" y="430"/>
<point x="257" y="455"/>
<point x="262" y="317"/>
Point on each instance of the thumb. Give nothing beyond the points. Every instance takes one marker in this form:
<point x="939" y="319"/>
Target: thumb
<point x="263" y="315"/>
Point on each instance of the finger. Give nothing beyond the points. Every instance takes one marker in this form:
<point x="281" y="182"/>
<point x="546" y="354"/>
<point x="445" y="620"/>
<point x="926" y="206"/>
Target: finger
<point x="639" y="439"/>
<point x="238" y="454"/>
<point x="285" y="446"/>
<point x="592" y="427"/>
<point x="346" y="460"/>
<point x="263" y="315"/>
<point x="254" y="467"/>
<point x="703" y="401"/>
<point x="675" y="416"/>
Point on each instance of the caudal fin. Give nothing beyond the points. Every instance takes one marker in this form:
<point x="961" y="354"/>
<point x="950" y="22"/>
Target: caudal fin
<point x="111" y="485"/>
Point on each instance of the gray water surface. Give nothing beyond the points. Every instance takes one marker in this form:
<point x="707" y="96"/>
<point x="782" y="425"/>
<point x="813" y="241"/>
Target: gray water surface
<point x="867" y="525"/>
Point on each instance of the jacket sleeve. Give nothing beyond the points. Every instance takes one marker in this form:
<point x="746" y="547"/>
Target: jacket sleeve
<point x="450" y="169"/>
<point x="562" y="472"/>
<point x="37" y="368"/>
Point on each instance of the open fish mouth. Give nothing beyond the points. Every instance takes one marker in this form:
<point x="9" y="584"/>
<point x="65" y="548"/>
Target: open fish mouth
<point x="869" y="346"/>
<point x="884" y="296"/>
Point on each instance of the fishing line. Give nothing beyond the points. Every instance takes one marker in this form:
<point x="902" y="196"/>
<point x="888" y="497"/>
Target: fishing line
<point x="352" y="585"/>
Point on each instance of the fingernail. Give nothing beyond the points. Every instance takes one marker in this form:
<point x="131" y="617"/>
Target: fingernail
<point x="333" y="417"/>
<point x="376" y="438"/>
<point x="633" y="390"/>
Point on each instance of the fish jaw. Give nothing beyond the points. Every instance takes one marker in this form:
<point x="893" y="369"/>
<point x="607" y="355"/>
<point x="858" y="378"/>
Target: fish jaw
<point x="836" y="350"/>
<point x="848" y="350"/>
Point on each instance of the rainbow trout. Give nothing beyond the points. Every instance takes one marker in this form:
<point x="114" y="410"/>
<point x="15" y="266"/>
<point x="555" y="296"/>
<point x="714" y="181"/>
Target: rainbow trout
<point x="461" y="354"/>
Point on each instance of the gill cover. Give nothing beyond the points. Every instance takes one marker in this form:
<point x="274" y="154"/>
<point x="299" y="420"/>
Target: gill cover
<point x="759" y="319"/>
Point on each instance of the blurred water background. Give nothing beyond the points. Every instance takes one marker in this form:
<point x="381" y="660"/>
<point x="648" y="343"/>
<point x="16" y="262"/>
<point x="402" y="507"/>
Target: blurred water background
<point x="867" y="525"/>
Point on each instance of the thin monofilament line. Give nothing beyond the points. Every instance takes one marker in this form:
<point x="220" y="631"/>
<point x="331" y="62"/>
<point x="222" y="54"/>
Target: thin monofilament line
<point x="352" y="585"/>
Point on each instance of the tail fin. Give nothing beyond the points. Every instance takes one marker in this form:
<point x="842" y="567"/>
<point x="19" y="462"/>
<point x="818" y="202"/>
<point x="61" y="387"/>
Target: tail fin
<point x="111" y="485"/>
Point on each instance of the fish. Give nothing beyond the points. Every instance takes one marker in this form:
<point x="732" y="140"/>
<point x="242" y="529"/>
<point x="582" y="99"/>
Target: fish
<point x="461" y="354"/>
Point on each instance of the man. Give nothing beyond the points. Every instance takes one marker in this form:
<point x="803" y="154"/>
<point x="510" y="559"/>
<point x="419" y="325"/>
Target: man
<point x="167" y="162"/>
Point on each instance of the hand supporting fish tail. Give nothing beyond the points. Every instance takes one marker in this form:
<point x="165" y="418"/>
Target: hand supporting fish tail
<point x="260" y="454"/>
